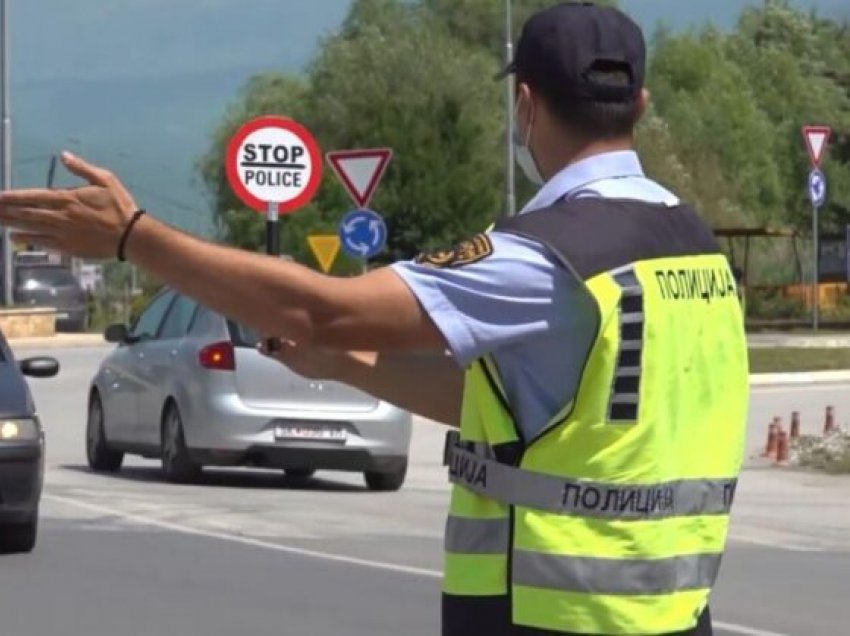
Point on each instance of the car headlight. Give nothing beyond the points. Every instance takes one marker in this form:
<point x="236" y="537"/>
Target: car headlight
<point x="22" y="430"/>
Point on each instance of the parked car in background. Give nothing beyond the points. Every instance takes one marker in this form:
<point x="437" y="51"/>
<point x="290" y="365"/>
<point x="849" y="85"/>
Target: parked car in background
<point x="21" y="450"/>
<point x="189" y="387"/>
<point x="52" y="285"/>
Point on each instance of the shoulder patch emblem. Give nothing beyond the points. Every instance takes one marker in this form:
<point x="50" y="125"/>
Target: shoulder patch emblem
<point x="464" y="253"/>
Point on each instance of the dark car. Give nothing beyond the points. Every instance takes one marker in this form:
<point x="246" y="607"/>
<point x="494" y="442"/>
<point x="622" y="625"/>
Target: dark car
<point x="21" y="450"/>
<point x="52" y="285"/>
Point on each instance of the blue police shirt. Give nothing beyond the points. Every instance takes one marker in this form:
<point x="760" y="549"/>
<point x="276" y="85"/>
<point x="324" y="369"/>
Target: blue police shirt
<point x="522" y="308"/>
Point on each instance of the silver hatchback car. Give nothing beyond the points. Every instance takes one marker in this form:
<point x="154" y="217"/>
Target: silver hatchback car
<point x="188" y="386"/>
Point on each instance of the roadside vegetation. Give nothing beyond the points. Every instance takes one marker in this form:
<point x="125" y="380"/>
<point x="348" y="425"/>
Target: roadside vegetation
<point x="417" y="76"/>
<point x="829" y="453"/>
<point x="788" y="360"/>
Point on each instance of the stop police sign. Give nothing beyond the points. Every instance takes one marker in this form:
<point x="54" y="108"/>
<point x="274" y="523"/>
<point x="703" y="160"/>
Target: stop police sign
<point x="274" y="160"/>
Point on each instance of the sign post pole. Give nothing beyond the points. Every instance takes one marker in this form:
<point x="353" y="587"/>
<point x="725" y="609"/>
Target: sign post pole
<point x="272" y="248"/>
<point x="817" y="195"/>
<point x="817" y="140"/>
<point x="816" y="274"/>
<point x="272" y="229"/>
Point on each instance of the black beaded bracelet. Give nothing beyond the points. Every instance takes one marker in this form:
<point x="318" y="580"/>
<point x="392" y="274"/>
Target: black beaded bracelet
<point x="122" y="244"/>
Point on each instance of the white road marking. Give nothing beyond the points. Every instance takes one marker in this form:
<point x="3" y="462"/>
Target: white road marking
<point x="257" y="543"/>
<point x="778" y="544"/>
<point x="742" y="630"/>
<point x="801" y="387"/>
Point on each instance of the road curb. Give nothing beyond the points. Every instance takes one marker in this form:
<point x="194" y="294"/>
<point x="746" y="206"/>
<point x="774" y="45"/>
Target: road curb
<point x="60" y="341"/>
<point x="803" y="377"/>
<point x="838" y="342"/>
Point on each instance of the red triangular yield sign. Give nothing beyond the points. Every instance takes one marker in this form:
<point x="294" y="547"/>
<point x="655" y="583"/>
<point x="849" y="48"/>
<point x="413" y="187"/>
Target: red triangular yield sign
<point x="817" y="138"/>
<point x="360" y="171"/>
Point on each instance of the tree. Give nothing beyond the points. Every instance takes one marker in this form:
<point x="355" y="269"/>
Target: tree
<point x="481" y="23"/>
<point x="794" y="65"/>
<point x="710" y="109"/>
<point x="441" y="120"/>
<point x="264" y="94"/>
<point x="417" y="75"/>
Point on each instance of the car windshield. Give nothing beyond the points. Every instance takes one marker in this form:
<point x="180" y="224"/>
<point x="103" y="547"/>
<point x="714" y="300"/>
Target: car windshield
<point x="46" y="276"/>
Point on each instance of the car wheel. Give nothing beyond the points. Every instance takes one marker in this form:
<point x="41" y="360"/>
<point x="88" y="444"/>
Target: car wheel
<point x="177" y="465"/>
<point x="386" y="482"/>
<point x="101" y="458"/>
<point x="18" y="538"/>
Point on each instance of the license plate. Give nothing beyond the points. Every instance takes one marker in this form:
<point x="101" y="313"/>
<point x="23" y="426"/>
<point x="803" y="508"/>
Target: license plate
<point x="313" y="432"/>
<point x="63" y="316"/>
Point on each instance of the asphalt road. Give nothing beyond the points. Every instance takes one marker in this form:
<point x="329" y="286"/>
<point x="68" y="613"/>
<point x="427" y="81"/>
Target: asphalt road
<point x="244" y="552"/>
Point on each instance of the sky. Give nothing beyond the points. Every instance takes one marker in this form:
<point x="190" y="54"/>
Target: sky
<point x="119" y="38"/>
<point x="139" y="85"/>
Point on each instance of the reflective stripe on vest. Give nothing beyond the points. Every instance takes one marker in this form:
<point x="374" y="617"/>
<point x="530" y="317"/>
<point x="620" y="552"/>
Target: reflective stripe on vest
<point x="539" y="491"/>
<point x="650" y="577"/>
<point x="477" y="536"/>
<point x="582" y="574"/>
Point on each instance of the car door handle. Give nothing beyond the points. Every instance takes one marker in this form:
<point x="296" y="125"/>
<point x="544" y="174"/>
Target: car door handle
<point x="174" y="353"/>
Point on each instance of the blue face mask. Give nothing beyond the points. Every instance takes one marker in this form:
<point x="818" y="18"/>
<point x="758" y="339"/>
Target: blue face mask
<point x="522" y="152"/>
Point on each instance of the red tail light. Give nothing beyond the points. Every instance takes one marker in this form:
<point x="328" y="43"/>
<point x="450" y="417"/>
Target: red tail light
<point x="218" y="357"/>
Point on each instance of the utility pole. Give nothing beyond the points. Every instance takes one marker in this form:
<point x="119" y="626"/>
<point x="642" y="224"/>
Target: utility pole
<point x="510" y="173"/>
<point x="6" y="145"/>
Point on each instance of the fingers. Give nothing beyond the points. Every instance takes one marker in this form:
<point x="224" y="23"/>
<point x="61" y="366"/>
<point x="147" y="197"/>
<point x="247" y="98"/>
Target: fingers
<point x="38" y="198"/>
<point x="30" y="219"/>
<point x="91" y="173"/>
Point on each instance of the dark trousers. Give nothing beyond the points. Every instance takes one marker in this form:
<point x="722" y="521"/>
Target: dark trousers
<point x="491" y="616"/>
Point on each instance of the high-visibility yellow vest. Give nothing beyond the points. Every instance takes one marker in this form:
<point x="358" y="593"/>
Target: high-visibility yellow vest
<point x="614" y="519"/>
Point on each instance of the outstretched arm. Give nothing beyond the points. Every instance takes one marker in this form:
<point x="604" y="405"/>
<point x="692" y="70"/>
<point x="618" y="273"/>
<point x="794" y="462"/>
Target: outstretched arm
<point x="487" y="295"/>
<point x="428" y="384"/>
<point x="372" y="312"/>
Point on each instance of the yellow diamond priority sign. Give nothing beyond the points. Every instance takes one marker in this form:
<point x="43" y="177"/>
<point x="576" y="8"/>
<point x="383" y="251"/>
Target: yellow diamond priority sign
<point x="325" y="248"/>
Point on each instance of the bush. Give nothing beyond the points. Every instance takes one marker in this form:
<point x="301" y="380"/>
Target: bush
<point x="772" y="303"/>
<point x="841" y="311"/>
<point x="830" y="453"/>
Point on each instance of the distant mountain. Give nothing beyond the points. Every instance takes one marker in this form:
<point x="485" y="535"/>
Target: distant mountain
<point x="139" y="84"/>
<point x="149" y="130"/>
<point x="97" y="39"/>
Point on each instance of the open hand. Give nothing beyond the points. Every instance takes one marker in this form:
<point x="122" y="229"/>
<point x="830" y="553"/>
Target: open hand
<point x="86" y="222"/>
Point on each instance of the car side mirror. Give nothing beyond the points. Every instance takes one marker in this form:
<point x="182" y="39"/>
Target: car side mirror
<point x="118" y="334"/>
<point x="40" y="367"/>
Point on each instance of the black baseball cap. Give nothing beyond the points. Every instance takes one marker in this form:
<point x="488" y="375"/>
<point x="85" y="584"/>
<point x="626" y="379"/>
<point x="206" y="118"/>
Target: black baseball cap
<point x="561" y="45"/>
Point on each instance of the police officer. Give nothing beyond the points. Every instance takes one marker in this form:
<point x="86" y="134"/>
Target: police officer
<point x="598" y="367"/>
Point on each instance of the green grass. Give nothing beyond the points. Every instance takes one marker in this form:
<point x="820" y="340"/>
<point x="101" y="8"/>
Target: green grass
<point x="787" y="360"/>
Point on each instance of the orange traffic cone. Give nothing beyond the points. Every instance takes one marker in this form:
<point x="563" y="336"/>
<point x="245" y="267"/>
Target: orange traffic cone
<point x="772" y="439"/>
<point x="782" y="447"/>
<point x="795" y="425"/>
<point x="829" y="421"/>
